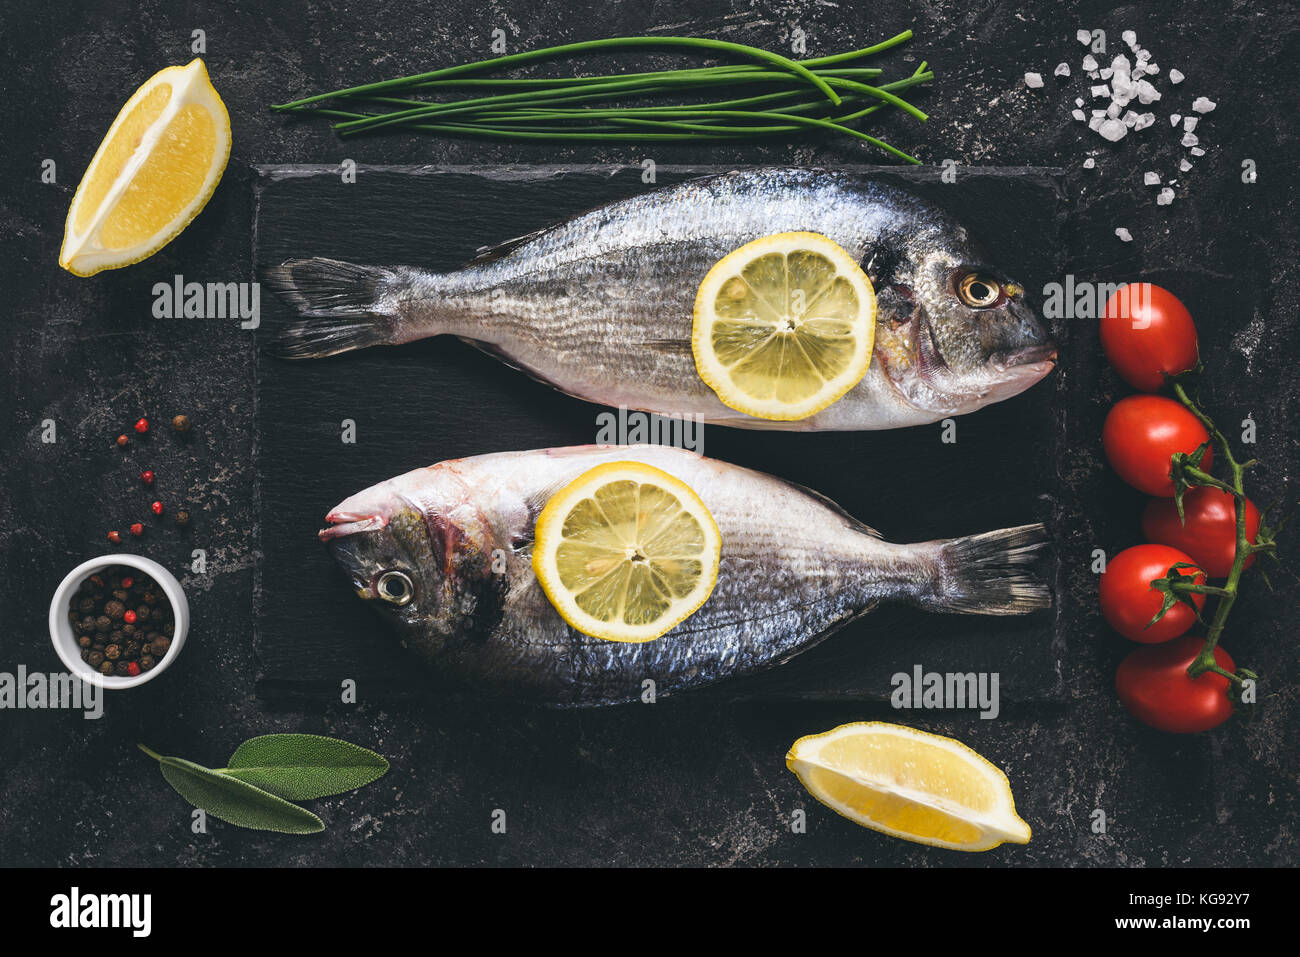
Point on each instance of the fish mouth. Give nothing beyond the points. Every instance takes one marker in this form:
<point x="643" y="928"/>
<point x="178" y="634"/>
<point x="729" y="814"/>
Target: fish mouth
<point x="1028" y="357"/>
<point x="349" y="523"/>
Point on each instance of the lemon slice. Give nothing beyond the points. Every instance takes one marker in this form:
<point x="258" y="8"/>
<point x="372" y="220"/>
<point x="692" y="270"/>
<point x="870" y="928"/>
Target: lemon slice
<point x="626" y="551"/>
<point x="156" y="168"/>
<point x="911" y="784"/>
<point x="784" y="326"/>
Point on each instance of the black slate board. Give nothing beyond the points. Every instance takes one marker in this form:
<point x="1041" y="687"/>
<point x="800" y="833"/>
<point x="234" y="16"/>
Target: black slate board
<point x="439" y="399"/>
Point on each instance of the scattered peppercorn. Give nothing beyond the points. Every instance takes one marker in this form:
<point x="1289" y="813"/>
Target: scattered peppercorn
<point x="115" y="538"/>
<point x="156" y="508"/>
<point x="147" y="476"/>
<point x="137" y="529"/>
<point x="142" y="426"/>
<point x="122" y="441"/>
<point x="182" y="517"/>
<point x="181" y="423"/>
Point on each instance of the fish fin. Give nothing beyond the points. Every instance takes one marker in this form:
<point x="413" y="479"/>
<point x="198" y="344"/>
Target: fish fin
<point x="350" y="304"/>
<point x="990" y="574"/>
<point x="490" y="254"/>
<point x="835" y="507"/>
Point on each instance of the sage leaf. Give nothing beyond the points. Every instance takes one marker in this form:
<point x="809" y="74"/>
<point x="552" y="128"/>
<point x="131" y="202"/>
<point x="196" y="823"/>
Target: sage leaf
<point x="300" y="767"/>
<point x="234" y="801"/>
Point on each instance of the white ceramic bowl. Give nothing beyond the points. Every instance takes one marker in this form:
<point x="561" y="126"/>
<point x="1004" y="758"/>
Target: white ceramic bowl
<point x="65" y="642"/>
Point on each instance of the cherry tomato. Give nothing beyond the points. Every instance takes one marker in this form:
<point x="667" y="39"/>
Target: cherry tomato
<point x="1146" y="332"/>
<point x="1141" y="434"/>
<point x="1210" y="533"/>
<point x="1128" y="602"/>
<point x="1153" y="685"/>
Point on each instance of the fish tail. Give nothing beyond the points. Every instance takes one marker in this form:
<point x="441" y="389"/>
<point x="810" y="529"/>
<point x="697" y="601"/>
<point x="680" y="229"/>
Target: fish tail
<point x="990" y="574"/>
<point x="349" y="306"/>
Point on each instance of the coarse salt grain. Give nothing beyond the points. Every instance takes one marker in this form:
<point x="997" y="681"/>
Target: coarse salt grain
<point x="1084" y="37"/>
<point x="1197" y="151"/>
<point x="1175" y="76"/>
<point x="1100" y="89"/>
<point x="1146" y="93"/>
<point x="1089" y="163"/>
<point x="1124" y="235"/>
<point x="1175" y="119"/>
<point x="1190" y="139"/>
<point x="1202" y="105"/>
<point x="1150" y="178"/>
<point x="1079" y="115"/>
<point x="1105" y="73"/>
<point x="1130" y="37"/>
<point x="1184" y="166"/>
<point x="1062" y="69"/>
<point x="1189" y="123"/>
<point x="1166" y="197"/>
<point x="1113" y="130"/>
<point x="1078" y="101"/>
<point x="1033" y="80"/>
<point x="1089" y="62"/>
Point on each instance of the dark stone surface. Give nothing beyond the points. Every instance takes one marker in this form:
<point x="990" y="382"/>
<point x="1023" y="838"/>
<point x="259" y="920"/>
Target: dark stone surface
<point x="703" y="783"/>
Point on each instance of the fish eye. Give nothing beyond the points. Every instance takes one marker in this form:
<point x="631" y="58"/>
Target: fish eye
<point x="396" y="588"/>
<point x="979" y="291"/>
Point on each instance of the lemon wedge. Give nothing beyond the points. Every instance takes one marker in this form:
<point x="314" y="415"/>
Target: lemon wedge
<point x="911" y="784"/>
<point x="784" y="326"/>
<point x="626" y="551"/>
<point x="155" y="169"/>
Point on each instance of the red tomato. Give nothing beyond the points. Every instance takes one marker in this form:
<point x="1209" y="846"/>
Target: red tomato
<point x="1141" y="434"/>
<point x="1153" y="685"/>
<point x="1128" y="602"/>
<point x="1210" y="534"/>
<point x="1146" y="331"/>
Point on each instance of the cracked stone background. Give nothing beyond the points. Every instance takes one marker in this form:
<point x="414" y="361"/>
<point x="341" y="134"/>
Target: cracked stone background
<point x="703" y="784"/>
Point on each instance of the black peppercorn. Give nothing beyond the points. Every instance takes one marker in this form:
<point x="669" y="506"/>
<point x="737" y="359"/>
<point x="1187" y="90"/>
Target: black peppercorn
<point x="131" y="649"/>
<point x="113" y="652"/>
<point x="119" y="593"/>
<point x="147" y="662"/>
<point x="86" y="604"/>
<point x="159" y="645"/>
<point x="114" y="609"/>
<point x="83" y="641"/>
<point x="85" y="654"/>
<point x="122" y="670"/>
<point x="106" y="667"/>
<point x="87" y="624"/>
<point x="103" y="623"/>
<point x="95" y="659"/>
<point x="142" y="613"/>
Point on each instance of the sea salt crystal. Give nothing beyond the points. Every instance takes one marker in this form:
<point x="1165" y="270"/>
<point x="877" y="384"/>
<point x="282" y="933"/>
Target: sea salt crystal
<point x="1139" y="70"/>
<point x="1143" y="56"/>
<point x="1033" y="80"/>
<point x="1079" y="115"/>
<point x="1190" y="139"/>
<point x="1113" y="111"/>
<point x="1124" y="235"/>
<point x="1113" y="130"/>
<point x="1130" y="119"/>
<point x="1078" y="101"/>
<point x="1144" y="120"/>
<point x="1152" y="69"/>
<point x="1184" y="166"/>
<point x="1124" y="86"/>
<point x="1093" y="75"/>
<point x="1089" y="62"/>
<point x="1189" y="124"/>
<point x="1202" y="105"/>
<point x="1105" y="73"/>
<point x="1150" y="178"/>
<point x="1197" y="151"/>
<point x="1146" y="93"/>
<point x="1095" y="122"/>
<point x="1130" y="37"/>
<point x="1175" y="119"/>
<point x="1084" y="37"/>
<point x="1175" y="76"/>
<point x="1062" y="69"/>
<point x="1166" y="197"/>
<point x="1089" y="163"/>
<point x="1101" y="89"/>
<point x="1121" y="64"/>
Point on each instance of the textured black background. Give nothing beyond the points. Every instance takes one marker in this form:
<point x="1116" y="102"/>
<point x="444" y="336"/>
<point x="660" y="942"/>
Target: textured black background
<point x="690" y="783"/>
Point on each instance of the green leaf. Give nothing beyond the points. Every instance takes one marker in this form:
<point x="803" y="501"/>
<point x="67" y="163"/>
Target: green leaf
<point x="300" y="767"/>
<point x="233" y="801"/>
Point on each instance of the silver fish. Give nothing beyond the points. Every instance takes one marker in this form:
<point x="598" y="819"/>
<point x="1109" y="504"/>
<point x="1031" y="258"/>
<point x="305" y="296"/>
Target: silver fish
<point x="601" y="306"/>
<point x="444" y="554"/>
